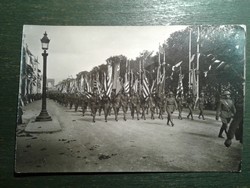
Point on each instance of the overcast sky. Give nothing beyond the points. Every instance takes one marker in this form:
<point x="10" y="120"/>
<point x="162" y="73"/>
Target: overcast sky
<point x="73" y="49"/>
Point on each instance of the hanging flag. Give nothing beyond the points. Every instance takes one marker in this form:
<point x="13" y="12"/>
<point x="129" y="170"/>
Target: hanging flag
<point x="126" y="87"/>
<point x="180" y="84"/>
<point x="153" y="88"/>
<point x="194" y="82"/>
<point x="135" y="86"/>
<point x="145" y="88"/>
<point x="109" y="80"/>
<point x="177" y="65"/>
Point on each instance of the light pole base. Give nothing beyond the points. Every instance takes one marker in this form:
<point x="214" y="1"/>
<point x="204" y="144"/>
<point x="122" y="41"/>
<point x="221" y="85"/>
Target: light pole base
<point x="43" y="116"/>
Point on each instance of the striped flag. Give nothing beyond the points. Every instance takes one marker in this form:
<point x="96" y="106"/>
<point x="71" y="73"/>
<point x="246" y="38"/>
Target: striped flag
<point x="180" y="84"/>
<point x="109" y="80"/>
<point x="126" y="87"/>
<point x="153" y="88"/>
<point x="145" y="88"/>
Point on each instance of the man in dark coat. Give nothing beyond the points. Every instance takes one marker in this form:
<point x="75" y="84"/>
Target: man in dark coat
<point x="201" y="105"/>
<point x="226" y="111"/>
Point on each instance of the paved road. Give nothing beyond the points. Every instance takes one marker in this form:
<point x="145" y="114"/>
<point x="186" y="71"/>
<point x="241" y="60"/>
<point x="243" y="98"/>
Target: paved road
<point x="132" y="145"/>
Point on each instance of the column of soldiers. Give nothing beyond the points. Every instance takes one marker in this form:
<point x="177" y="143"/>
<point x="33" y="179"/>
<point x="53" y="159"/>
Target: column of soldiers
<point x="156" y="104"/>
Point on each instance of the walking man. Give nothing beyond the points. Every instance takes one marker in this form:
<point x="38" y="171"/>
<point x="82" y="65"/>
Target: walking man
<point x="201" y="105"/>
<point x="226" y="111"/>
<point x="171" y="106"/>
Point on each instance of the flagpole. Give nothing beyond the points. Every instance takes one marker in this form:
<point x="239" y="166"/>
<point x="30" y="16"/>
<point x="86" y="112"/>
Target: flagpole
<point x="189" y="65"/>
<point x="164" y="71"/>
<point x="198" y="62"/>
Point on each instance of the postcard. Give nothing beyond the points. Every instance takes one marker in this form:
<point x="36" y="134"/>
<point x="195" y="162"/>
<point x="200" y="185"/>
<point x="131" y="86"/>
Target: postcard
<point x="131" y="99"/>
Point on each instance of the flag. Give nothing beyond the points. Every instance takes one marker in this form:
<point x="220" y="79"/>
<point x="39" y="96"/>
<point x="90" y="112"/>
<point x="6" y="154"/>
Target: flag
<point x="177" y="65"/>
<point x="161" y="49"/>
<point x="145" y="88"/>
<point x="117" y="84"/>
<point x="135" y="86"/>
<point x="126" y="87"/>
<point x="109" y="80"/>
<point x="153" y="88"/>
<point x="194" y="82"/>
<point x="180" y="84"/>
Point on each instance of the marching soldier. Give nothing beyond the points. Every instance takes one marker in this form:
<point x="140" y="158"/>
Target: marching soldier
<point x="201" y="105"/>
<point x="226" y="111"/>
<point x="94" y="101"/>
<point x="190" y="103"/>
<point x="179" y="101"/>
<point x="161" y="104"/>
<point x="84" y="103"/>
<point x="143" y="106"/>
<point x="106" y="105"/>
<point x="124" y="103"/>
<point x="77" y="101"/>
<point x="116" y="104"/>
<point x="171" y="106"/>
<point x="135" y="105"/>
<point x="152" y="105"/>
<point x="236" y="126"/>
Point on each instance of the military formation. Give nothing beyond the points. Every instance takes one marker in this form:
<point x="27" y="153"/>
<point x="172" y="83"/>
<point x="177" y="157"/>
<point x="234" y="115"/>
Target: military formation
<point x="156" y="105"/>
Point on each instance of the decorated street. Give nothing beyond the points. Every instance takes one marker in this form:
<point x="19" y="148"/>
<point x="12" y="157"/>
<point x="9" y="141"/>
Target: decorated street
<point x="123" y="146"/>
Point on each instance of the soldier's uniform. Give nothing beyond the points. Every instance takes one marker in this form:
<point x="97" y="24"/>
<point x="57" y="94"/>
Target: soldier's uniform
<point x="94" y="102"/>
<point x="179" y="101"/>
<point x="201" y="105"/>
<point x="171" y="106"/>
<point x="116" y="105"/>
<point x="106" y="105"/>
<point x="236" y="126"/>
<point x="77" y="101"/>
<point x="144" y="104"/>
<point x="152" y="105"/>
<point x="124" y="103"/>
<point x="84" y="103"/>
<point x="190" y="104"/>
<point x="135" y="105"/>
<point x="226" y="111"/>
<point x="161" y="104"/>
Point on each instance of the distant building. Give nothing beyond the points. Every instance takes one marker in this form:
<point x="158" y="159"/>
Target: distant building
<point x="50" y="83"/>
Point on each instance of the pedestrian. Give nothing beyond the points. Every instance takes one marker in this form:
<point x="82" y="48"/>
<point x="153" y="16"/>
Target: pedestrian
<point x="179" y="101"/>
<point x="190" y="104"/>
<point x="226" y="111"/>
<point x="201" y="105"/>
<point x="124" y="104"/>
<point x="171" y="105"/>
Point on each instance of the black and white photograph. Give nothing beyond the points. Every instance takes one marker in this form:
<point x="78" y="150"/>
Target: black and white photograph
<point x="117" y="99"/>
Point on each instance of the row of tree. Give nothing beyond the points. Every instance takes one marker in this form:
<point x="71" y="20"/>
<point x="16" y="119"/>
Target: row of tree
<point x="212" y="55"/>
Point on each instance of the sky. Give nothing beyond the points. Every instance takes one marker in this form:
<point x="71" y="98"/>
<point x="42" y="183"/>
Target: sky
<point x="73" y="49"/>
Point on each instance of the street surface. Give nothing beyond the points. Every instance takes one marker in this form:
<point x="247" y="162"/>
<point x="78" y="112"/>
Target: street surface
<point x="123" y="146"/>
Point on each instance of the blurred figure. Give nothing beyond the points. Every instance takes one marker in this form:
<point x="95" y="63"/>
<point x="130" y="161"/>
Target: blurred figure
<point x="226" y="111"/>
<point x="171" y="106"/>
<point x="201" y="105"/>
<point x="179" y="101"/>
<point x="190" y="104"/>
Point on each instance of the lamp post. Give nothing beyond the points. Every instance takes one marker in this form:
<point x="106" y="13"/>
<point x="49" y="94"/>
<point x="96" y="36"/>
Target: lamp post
<point x="44" y="116"/>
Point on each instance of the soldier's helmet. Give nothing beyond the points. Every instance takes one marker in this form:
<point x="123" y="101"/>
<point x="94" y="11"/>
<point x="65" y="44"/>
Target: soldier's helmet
<point x="226" y="93"/>
<point x="171" y="93"/>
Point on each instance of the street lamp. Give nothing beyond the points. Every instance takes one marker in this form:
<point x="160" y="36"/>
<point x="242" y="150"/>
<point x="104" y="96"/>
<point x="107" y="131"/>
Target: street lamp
<point x="44" y="116"/>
